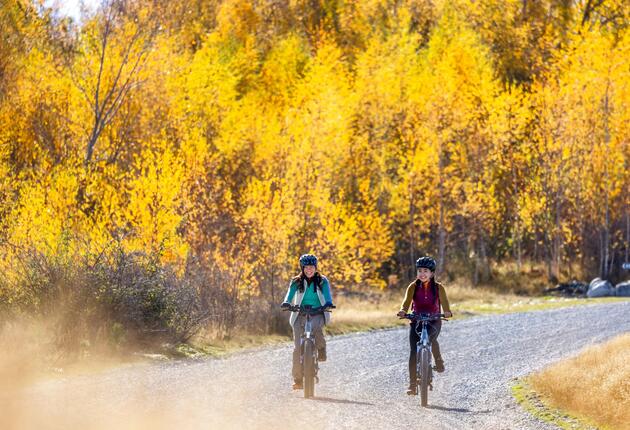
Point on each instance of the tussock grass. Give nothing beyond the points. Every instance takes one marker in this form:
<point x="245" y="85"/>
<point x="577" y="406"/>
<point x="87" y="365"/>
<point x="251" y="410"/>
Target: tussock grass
<point x="373" y="310"/>
<point x="595" y="384"/>
<point x="365" y="311"/>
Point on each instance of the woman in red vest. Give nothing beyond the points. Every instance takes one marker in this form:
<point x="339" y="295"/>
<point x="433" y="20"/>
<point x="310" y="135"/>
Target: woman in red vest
<point x="426" y="296"/>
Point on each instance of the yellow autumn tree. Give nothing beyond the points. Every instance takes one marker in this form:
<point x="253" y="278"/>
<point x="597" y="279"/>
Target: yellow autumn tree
<point x="594" y="84"/>
<point x="451" y="95"/>
<point x="152" y="212"/>
<point x="509" y="123"/>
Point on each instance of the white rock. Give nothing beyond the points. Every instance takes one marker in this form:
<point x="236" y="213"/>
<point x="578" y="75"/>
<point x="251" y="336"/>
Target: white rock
<point x="600" y="288"/>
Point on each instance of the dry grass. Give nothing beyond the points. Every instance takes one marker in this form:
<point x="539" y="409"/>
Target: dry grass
<point x="361" y="311"/>
<point x="366" y="311"/>
<point x="594" y="385"/>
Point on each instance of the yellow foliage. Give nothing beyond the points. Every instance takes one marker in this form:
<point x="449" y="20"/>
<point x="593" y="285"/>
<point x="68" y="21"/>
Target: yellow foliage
<point x="209" y="87"/>
<point x="363" y="131"/>
<point x="47" y="211"/>
<point x="282" y="70"/>
<point x="154" y="199"/>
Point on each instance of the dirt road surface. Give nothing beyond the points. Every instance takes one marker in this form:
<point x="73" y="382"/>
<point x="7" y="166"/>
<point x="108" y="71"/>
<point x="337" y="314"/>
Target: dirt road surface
<point x="362" y="385"/>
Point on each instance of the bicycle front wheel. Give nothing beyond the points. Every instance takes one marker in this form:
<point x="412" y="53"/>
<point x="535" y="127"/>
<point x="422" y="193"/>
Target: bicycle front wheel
<point x="309" y="369"/>
<point x="424" y="376"/>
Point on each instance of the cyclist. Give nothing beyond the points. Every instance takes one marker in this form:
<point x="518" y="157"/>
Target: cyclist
<point x="426" y="296"/>
<point x="308" y="288"/>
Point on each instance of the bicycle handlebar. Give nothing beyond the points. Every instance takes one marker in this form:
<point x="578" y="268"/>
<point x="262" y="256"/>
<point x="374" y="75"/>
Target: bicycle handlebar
<point x="308" y="309"/>
<point x="424" y="317"/>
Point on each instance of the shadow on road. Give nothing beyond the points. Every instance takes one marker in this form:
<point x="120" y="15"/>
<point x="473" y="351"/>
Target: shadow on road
<point x="330" y="400"/>
<point x="468" y="411"/>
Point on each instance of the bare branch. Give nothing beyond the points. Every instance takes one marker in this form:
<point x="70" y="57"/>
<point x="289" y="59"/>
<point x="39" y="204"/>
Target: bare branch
<point x="106" y="103"/>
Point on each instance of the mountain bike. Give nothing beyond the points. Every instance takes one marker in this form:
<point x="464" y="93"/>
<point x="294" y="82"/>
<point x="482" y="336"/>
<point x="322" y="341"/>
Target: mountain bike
<point x="424" y="370"/>
<point x="308" y="351"/>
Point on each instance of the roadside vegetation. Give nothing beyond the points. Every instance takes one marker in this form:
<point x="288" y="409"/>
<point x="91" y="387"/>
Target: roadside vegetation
<point x="590" y="390"/>
<point x="79" y="309"/>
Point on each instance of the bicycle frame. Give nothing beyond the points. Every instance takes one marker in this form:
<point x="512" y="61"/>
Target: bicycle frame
<point x="308" y="351"/>
<point x="423" y="343"/>
<point x="308" y="327"/>
<point x="307" y="336"/>
<point x="424" y="370"/>
<point x="423" y="336"/>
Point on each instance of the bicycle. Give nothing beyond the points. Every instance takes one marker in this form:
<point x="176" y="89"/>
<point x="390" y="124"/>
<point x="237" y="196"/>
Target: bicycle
<point x="424" y="370"/>
<point x="308" y="352"/>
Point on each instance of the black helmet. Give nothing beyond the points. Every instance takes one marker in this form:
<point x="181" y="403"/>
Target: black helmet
<point x="308" y="260"/>
<point x="426" y="262"/>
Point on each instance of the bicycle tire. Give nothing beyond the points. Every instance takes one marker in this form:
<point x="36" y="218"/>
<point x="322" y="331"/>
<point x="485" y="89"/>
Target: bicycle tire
<point x="424" y="376"/>
<point x="309" y="369"/>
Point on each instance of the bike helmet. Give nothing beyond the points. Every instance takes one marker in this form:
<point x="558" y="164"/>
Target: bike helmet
<point x="308" y="260"/>
<point x="426" y="262"/>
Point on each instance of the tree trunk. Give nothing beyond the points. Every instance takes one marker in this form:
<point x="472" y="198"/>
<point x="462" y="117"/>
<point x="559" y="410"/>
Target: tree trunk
<point x="485" y="269"/>
<point x="412" y="225"/>
<point x="556" y="240"/>
<point x="549" y="256"/>
<point x="627" y="233"/>
<point x="273" y="284"/>
<point x="606" y="244"/>
<point x="441" y="244"/>
<point x="516" y="248"/>
<point x="471" y="246"/>
<point x="601" y="254"/>
<point x="441" y="227"/>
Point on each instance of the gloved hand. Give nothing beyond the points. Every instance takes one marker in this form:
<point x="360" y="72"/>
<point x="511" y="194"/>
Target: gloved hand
<point x="329" y="305"/>
<point x="285" y="305"/>
<point x="401" y="314"/>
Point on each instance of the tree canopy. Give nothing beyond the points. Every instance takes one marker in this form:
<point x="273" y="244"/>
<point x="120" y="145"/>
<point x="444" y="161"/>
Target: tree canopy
<point x="239" y="134"/>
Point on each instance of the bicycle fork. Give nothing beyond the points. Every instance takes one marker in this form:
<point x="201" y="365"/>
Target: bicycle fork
<point x="307" y="336"/>
<point x="424" y="344"/>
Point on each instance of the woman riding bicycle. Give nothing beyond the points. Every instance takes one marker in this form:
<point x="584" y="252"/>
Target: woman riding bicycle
<point x="309" y="288"/>
<point x="426" y="296"/>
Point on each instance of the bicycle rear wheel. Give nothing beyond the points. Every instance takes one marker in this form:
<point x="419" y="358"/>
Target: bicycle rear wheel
<point x="424" y="376"/>
<point x="309" y="369"/>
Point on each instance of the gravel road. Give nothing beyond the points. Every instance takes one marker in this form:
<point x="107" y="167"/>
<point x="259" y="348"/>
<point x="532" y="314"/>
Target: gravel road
<point x="362" y="385"/>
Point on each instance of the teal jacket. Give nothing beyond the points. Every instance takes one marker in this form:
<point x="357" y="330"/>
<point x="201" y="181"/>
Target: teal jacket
<point x="309" y="296"/>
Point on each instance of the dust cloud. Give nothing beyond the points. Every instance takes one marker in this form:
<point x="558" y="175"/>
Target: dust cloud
<point x="110" y="394"/>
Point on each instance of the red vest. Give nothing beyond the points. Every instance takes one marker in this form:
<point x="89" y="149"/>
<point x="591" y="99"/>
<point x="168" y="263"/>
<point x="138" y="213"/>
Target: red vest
<point x="425" y="300"/>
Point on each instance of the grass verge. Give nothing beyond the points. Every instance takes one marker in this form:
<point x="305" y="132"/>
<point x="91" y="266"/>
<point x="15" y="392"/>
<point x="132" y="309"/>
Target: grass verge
<point x="529" y="400"/>
<point x="593" y="386"/>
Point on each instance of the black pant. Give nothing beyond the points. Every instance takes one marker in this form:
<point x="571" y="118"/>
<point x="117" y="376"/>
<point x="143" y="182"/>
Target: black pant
<point x="434" y="328"/>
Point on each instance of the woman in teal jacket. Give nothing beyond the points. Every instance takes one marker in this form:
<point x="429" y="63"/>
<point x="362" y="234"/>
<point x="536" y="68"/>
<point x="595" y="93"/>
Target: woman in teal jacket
<point x="308" y="288"/>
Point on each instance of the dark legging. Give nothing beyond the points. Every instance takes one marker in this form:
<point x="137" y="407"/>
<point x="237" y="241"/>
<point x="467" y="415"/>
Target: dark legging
<point x="434" y="328"/>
